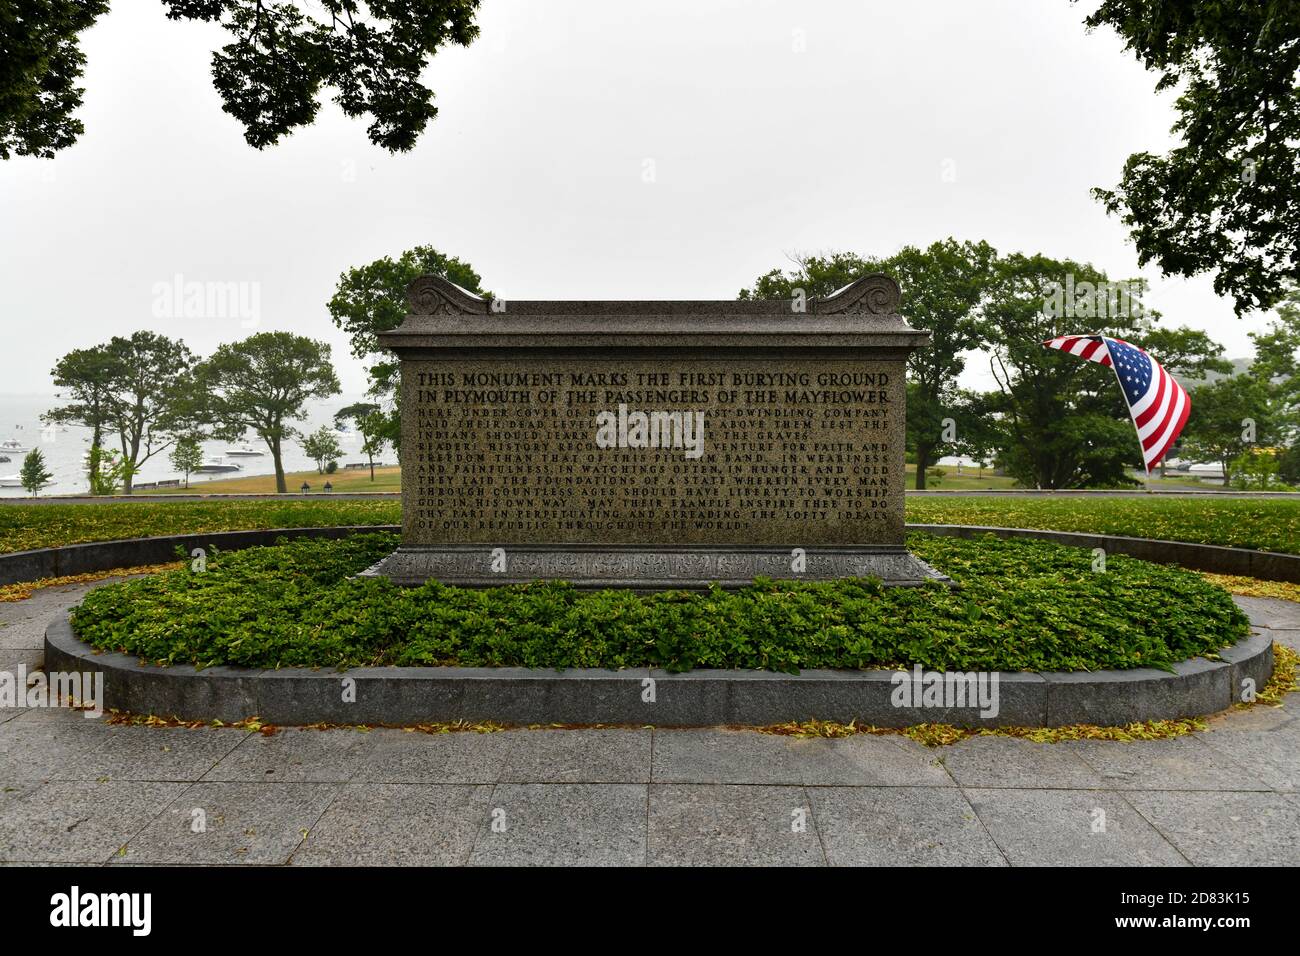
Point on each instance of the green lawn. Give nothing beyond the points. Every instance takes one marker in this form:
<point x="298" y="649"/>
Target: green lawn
<point x="1022" y="605"/>
<point x="1268" y="523"/>
<point x="350" y="480"/>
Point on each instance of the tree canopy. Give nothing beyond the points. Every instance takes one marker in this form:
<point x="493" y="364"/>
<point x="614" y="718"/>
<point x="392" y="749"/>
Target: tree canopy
<point x="263" y="383"/>
<point x="270" y="76"/>
<point x="1226" y="199"/>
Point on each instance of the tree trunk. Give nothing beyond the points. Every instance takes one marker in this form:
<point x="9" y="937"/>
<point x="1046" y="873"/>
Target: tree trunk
<point x="129" y="478"/>
<point x="280" y="486"/>
<point x="96" y="438"/>
<point x="372" y="465"/>
<point x="922" y="463"/>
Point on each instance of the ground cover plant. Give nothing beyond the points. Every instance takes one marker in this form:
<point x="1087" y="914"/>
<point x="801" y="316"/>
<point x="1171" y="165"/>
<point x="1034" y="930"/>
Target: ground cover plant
<point x="1021" y="605"/>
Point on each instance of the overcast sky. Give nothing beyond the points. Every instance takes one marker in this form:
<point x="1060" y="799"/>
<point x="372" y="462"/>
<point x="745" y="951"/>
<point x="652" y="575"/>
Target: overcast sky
<point x="765" y="129"/>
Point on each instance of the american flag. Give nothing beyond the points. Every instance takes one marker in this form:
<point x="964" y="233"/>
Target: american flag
<point x="1156" y="402"/>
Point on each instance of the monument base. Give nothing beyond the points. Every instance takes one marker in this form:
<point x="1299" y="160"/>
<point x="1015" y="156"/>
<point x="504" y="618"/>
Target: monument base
<point x="648" y="568"/>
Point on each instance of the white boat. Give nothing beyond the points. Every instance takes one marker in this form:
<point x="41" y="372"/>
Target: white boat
<point x="215" y="466"/>
<point x="244" y="450"/>
<point x="12" y="446"/>
<point x="16" y="481"/>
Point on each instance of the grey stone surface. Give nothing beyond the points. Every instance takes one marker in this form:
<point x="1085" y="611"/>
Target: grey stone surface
<point x="1181" y="763"/>
<point x="12" y="660"/>
<point x="294" y="755"/>
<point x="1195" y="688"/>
<point x="1264" y="739"/>
<point x="387" y="824"/>
<point x="1070" y="828"/>
<point x="737" y="756"/>
<point x="77" y="821"/>
<point x="541" y="373"/>
<point x="564" y="824"/>
<point x="1226" y="829"/>
<point x="399" y="756"/>
<point x="26" y="633"/>
<point x="243" y="823"/>
<point x="63" y="745"/>
<point x="900" y="827"/>
<point x="1012" y="762"/>
<point x="732" y="826"/>
<point x="1252" y="664"/>
<point x="1266" y="612"/>
<point x="576" y="756"/>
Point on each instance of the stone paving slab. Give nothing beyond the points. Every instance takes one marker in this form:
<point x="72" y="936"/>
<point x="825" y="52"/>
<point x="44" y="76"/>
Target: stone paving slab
<point x="726" y="825"/>
<point x="1226" y="829"/>
<point x="400" y="756"/>
<point x="294" y="755"/>
<point x="240" y="823"/>
<point x="738" y="756"/>
<point x="77" y="821"/>
<point x="564" y="824"/>
<point x="1265" y="739"/>
<point x="1270" y="612"/>
<point x="63" y="745"/>
<point x="394" y="824"/>
<point x="24" y="634"/>
<point x="1071" y="828"/>
<point x="576" y="756"/>
<point x="1180" y="763"/>
<point x="897" y="826"/>
<point x="1013" y="762"/>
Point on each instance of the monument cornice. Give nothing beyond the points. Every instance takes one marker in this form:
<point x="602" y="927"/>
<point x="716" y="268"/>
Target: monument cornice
<point x="862" y="314"/>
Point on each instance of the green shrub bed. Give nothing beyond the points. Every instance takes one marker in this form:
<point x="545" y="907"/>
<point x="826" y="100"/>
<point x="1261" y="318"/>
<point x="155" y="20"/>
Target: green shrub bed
<point x="1021" y="605"/>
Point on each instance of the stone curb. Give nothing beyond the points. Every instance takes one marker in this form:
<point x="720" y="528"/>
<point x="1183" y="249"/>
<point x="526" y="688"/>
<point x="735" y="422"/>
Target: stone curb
<point x="134" y="552"/>
<point x="513" y="695"/>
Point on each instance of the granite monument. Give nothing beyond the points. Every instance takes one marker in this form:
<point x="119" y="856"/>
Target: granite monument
<point x="652" y="444"/>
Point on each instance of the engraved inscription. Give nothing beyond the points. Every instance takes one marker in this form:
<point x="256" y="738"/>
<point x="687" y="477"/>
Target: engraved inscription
<point x="789" y="451"/>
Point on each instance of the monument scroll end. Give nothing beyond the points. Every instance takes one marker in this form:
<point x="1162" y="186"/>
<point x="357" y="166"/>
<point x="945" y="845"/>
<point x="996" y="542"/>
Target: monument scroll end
<point x="875" y="294"/>
<point x="434" y="295"/>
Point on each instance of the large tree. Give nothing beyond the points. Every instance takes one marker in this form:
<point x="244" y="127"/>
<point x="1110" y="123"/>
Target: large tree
<point x="40" y="64"/>
<point x="270" y="76"/>
<point x="942" y="285"/>
<point x="133" y="387"/>
<point x="1277" y="362"/>
<point x="151" y="376"/>
<point x="368" y="419"/>
<point x="263" y="383"/>
<point x="371" y="299"/>
<point x="1229" y="417"/>
<point x="86" y="374"/>
<point x="1226" y="199"/>
<point x="1063" y="420"/>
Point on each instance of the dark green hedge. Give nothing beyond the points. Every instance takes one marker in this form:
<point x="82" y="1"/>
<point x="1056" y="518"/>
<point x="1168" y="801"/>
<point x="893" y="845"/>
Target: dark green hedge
<point x="1022" y="605"/>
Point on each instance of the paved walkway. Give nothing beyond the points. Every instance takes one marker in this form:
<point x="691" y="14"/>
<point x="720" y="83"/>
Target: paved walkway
<point x="74" y="790"/>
